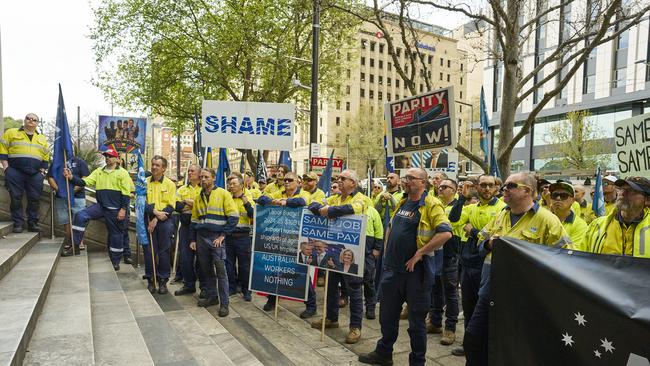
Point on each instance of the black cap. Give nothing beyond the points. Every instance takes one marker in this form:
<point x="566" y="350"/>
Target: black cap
<point x="639" y="184"/>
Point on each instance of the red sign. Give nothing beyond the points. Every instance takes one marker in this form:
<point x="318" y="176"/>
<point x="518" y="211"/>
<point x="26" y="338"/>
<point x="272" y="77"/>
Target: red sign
<point x="318" y="165"/>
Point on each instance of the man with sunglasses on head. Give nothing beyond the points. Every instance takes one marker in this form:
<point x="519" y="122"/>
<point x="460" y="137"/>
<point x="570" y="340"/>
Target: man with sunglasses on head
<point x="291" y="195"/>
<point x="626" y="230"/>
<point x="522" y="218"/>
<point x="472" y="218"/>
<point x="562" y="197"/>
<point x="24" y="155"/>
<point x="348" y="202"/>
<point x="419" y="226"/>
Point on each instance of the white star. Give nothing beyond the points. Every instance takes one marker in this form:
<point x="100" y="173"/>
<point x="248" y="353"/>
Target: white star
<point x="580" y="319"/>
<point x="596" y="353"/>
<point x="607" y="345"/>
<point x="567" y="339"/>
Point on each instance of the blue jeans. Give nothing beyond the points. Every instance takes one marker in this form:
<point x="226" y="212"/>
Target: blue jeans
<point x="238" y="262"/>
<point x="189" y="262"/>
<point x="353" y="285"/>
<point x="475" y="341"/>
<point x="61" y="206"/>
<point x="445" y="294"/>
<point x="162" y="242"/>
<point x="414" y="288"/>
<point x="211" y="258"/>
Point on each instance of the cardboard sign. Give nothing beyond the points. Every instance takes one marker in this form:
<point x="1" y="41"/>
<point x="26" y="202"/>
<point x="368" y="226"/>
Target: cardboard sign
<point x="632" y="138"/>
<point x="318" y="165"/>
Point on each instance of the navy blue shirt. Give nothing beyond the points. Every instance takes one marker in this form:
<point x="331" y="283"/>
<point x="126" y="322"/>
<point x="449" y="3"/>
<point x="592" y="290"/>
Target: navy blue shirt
<point x="79" y="169"/>
<point x="402" y="240"/>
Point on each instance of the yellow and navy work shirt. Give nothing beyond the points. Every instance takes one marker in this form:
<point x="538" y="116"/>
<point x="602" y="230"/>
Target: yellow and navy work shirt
<point x="28" y="155"/>
<point x="381" y="204"/>
<point x="374" y="230"/>
<point x="161" y="195"/>
<point x="246" y="212"/>
<point x="576" y="227"/>
<point x="432" y="218"/>
<point x="299" y="198"/>
<point x="272" y="188"/>
<point x="352" y="204"/>
<point x="537" y="225"/>
<point x="214" y="212"/>
<point x="185" y="192"/>
<point x="254" y="192"/>
<point x="112" y="187"/>
<point x="610" y="235"/>
<point x="317" y="195"/>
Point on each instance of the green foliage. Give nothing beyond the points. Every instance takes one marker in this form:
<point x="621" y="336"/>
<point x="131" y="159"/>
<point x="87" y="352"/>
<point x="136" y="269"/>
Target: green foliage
<point x="578" y="140"/>
<point x="12" y="123"/>
<point x="91" y="156"/>
<point x="364" y="138"/>
<point x="166" y="56"/>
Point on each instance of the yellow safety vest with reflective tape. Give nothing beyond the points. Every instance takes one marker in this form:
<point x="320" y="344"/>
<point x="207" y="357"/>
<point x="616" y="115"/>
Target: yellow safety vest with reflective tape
<point x="28" y="156"/>
<point x="432" y="215"/>
<point x="606" y="235"/>
<point x="212" y="213"/>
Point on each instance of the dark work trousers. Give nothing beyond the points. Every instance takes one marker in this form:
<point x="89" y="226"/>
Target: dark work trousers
<point x="353" y="286"/>
<point x="238" y="261"/>
<point x="475" y="341"/>
<point x="414" y="288"/>
<point x="178" y="274"/>
<point x="126" y="241"/>
<point x="469" y="285"/>
<point x="188" y="261"/>
<point x="18" y="183"/>
<point x="369" y="292"/>
<point x="211" y="258"/>
<point x="444" y="297"/>
<point x="162" y="242"/>
<point x="113" y="225"/>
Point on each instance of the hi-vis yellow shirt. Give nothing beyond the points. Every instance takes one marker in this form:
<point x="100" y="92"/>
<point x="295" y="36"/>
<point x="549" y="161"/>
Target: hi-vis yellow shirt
<point x="246" y="211"/>
<point x="161" y="194"/>
<point x="607" y="235"/>
<point x="25" y="154"/>
<point x="299" y="193"/>
<point x="358" y="202"/>
<point x="576" y="227"/>
<point x="537" y="225"/>
<point x="185" y="192"/>
<point x="272" y="188"/>
<point x="216" y="212"/>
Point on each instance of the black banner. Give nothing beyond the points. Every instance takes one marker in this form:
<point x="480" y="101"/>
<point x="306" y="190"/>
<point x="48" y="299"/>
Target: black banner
<point x="560" y="307"/>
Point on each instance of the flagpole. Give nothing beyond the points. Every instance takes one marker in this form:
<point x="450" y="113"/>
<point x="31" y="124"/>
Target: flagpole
<point x="153" y="261"/>
<point x="67" y="189"/>
<point x="178" y="230"/>
<point x="322" y="326"/>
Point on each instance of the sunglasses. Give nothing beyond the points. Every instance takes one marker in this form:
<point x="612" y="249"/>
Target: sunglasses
<point x="513" y="185"/>
<point x="288" y="180"/>
<point x="342" y="179"/>
<point x="560" y="196"/>
<point x="442" y="188"/>
<point x="31" y="119"/>
<point x="486" y="185"/>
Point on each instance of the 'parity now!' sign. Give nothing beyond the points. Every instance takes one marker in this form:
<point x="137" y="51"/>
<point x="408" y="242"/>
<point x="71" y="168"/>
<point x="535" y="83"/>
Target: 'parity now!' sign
<point x="248" y="125"/>
<point x="318" y="165"/>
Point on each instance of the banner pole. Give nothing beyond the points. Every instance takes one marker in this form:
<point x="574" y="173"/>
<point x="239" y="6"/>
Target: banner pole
<point x="178" y="230"/>
<point x="153" y="262"/>
<point x="277" y="304"/>
<point x="322" y="327"/>
<point x="67" y="189"/>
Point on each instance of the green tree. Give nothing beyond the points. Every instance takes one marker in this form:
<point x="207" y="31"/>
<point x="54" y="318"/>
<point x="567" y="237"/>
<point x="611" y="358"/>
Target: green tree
<point x="165" y="56"/>
<point x="579" y="142"/>
<point x="12" y="123"/>
<point x="364" y="139"/>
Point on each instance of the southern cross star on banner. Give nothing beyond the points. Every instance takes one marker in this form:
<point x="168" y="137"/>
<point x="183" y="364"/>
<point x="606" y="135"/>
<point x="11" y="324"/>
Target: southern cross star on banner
<point x="567" y="339"/>
<point x="580" y="318"/>
<point x="607" y="345"/>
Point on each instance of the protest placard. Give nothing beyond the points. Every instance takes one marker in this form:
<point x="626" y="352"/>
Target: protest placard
<point x="123" y="134"/>
<point x="334" y="244"/>
<point x="274" y="269"/>
<point x="248" y="125"/>
<point x="632" y="138"/>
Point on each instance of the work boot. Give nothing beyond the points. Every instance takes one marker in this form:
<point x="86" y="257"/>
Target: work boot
<point x="460" y="352"/>
<point x="248" y="297"/>
<point x="33" y="228"/>
<point x="320" y="282"/>
<point x="184" y="291"/>
<point x="204" y="303"/>
<point x="202" y="294"/>
<point x="432" y="329"/>
<point x="307" y="313"/>
<point x="128" y="260"/>
<point x="270" y="305"/>
<point x="116" y="266"/>
<point x="353" y="335"/>
<point x="318" y="324"/>
<point x="405" y="313"/>
<point x="67" y="252"/>
<point x="374" y="358"/>
<point x="162" y="288"/>
<point x="223" y="311"/>
<point x="17" y="229"/>
<point x="370" y="314"/>
<point x="151" y="287"/>
<point x="448" y="337"/>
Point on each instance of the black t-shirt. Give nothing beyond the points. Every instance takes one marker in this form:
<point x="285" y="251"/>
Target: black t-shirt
<point x="402" y="240"/>
<point x="79" y="169"/>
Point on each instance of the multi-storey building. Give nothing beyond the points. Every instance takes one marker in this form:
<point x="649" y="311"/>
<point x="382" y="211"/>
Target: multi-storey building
<point x="371" y="79"/>
<point x="612" y="84"/>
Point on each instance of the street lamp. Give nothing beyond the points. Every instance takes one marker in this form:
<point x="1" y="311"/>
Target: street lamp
<point x="471" y="129"/>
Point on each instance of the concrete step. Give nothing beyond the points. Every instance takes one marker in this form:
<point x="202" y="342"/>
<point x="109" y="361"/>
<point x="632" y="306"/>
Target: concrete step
<point x="22" y="294"/>
<point x="188" y="336"/>
<point x="13" y="247"/>
<point x="63" y="334"/>
<point x="117" y="339"/>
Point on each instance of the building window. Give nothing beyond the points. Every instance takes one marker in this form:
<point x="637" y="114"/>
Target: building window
<point x="379" y="95"/>
<point x="399" y="52"/>
<point x="388" y="97"/>
<point x="442" y="62"/>
<point x="347" y="106"/>
<point x="619" y="66"/>
<point x="461" y="67"/>
<point x="363" y="61"/>
<point x="363" y="76"/>
<point x="372" y="78"/>
<point x="390" y="66"/>
<point x="429" y="59"/>
<point x="406" y="69"/>
<point x="397" y="83"/>
<point x="381" y="48"/>
<point x="381" y="64"/>
<point x="372" y="62"/>
<point x="320" y="122"/>
<point x="421" y="88"/>
<point x="372" y="46"/>
<point x="363" y="44"/>
<point x="448" y="78"/>
<point x="348" y="72"/>
<point x="371" y="94"/>
<point x="388" y="81"/>
<point x="589" y="74"/>
<point x="461" y="80"/>
<point x="396" y="96"/>
<point x="461" y="94"/>
<point x="347" y="122"/>
<point x="338" y="104"/>
<point x="338" y="121"/>
<point x="448" y="63"/>
<point x="380" y="79"/>
<point x="348" y="56"/>
<point x="347" y="89"/>
<point x="362" y="92"/>
<point x="320" y="138"/>
<point x="441" y="76"/>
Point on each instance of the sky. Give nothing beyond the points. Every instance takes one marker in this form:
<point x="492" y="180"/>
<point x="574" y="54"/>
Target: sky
<point x="46" y="42"/>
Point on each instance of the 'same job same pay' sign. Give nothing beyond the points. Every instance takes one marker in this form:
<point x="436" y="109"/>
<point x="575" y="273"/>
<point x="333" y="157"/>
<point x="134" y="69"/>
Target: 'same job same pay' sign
<point x="632" y="138"/>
